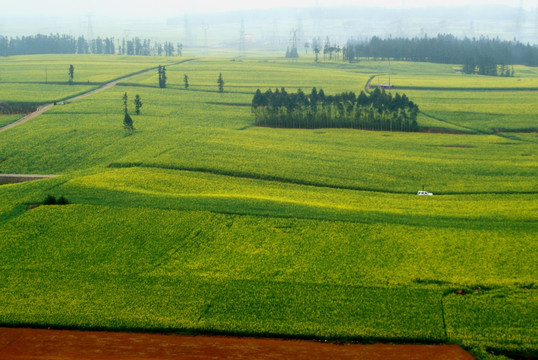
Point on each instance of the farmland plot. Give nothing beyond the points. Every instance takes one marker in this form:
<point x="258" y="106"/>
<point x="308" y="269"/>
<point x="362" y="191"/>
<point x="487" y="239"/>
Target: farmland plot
<point x="197" y="221"/>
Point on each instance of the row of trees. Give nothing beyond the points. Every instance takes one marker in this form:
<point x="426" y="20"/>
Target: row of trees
<point x="330" y="52"/>
<point x="484" y="55"/>
<point x="66" y="44"/>
<point x="377" y="111"/>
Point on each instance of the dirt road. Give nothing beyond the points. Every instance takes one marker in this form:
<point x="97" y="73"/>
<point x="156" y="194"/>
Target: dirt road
<point x="38" y="112"/>
<point x="104" y="87"/>
<point x="18" y="344"/>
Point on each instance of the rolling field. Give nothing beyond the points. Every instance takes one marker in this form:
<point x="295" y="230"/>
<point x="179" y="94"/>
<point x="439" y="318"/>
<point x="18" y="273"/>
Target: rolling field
<point x="43" y="78"/>
<point x="88" y="68"/>
<point x="200" y="222"/>
<point x="8" y="119"/>
<point x="39" y="93"/>
<point x="481" y="111"/>
<point x="449" y="77"/>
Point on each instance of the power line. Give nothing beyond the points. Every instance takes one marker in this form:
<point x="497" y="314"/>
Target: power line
<point x="242" y="39"/>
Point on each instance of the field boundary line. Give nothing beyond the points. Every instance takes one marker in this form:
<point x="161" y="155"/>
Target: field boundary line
<point x="253" y="176"/>
<point x="205" y="310"/>
<point x="475" y="131"/>
<point x="443" y="317"/>
<point x="108" y="85"/>
<point x="193" y="234"/>
<point x="474" y="89"/>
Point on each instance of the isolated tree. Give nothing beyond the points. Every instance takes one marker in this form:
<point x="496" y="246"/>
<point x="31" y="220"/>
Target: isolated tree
<point x="62" y="201"/>
<point x="71" y="74"/>
<point x="316" y="47"/>
<point x="127" y="120"/>
<point x="221" y="83"/>
<point x="49" y="200"/>
<point x="186" y="79"/>
<point x="138" y="104"/>
<point x="162" y="76"/>
<point x="327" y="48"/>
<point x="125" y="98"/>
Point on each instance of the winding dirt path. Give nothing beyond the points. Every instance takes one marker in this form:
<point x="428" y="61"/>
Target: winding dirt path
<point x="46" y="107"/>
<point x="19" y="344"/>
<point x="368" y="83"/>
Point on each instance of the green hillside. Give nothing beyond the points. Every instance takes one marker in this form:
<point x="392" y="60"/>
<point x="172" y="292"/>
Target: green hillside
<point x="199" y="222"/>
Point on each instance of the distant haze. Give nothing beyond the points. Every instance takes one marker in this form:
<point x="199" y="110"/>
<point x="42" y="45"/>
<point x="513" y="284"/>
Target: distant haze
<point x="207" y="24"/>
<point x="166" y="8"/>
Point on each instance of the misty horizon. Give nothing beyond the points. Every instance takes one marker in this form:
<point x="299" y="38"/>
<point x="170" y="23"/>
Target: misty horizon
<point x="272" y="26"/>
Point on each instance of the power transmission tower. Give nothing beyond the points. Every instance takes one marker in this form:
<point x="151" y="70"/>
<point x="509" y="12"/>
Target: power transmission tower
<point x="518" y="20"/>
<point x="292" y="48"/>
<point x="300" y="31"/>
<point x="242" y="39"/>
<point x="90" y="26"/>
<point x="274" y="34"/>
<point x="401" y="19"/>
<point x="536" y="24"/>
<point x="188" y="32"/>
<point x="206" y="43"/>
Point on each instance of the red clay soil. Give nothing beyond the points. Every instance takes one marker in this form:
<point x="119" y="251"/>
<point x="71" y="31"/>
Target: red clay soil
<point x="19" y="344"/>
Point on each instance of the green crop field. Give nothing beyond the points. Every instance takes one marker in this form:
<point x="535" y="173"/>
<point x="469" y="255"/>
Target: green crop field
<point x="88" y="68"/>
<point x="199" y="222"/>
<point x="8" y="119"/>
<point x="450" y="77"/>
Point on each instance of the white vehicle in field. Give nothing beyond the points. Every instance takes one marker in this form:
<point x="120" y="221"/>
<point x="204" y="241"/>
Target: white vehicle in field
<point x="422" y="192"/>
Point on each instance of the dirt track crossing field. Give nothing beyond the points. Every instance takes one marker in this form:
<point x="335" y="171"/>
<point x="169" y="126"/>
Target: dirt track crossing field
<point x="18" y="344"/>
<point x="46" y="107"/>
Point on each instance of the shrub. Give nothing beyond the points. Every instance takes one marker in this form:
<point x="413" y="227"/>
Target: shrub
<point x="50" y="200"/>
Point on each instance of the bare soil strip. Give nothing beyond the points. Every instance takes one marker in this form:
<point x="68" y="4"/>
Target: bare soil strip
<point x="17" y="178"/>
<point x="18" y="344"/>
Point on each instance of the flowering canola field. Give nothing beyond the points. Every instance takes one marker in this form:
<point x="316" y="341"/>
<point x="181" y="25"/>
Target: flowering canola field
<point x="198" y="222"/>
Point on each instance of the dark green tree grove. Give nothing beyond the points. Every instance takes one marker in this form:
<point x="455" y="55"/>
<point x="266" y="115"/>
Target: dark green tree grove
<point x="377" y="111"/>
<point x="482" y="56"/>
<point x="67" y="44"/>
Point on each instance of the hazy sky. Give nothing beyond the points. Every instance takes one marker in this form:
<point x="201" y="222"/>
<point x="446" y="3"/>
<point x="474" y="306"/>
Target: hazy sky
<point x="169" y="8"/>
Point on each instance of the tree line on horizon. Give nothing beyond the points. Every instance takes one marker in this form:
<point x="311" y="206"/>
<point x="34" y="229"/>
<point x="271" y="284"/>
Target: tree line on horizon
<point x="378" y="110"/>
<point x="67" y="44"/>
<point x="483" y="56"/>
